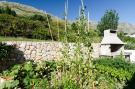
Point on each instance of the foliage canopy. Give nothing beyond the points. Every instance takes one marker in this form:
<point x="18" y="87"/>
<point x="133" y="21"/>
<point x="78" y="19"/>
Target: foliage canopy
<point x="108" y="21"/>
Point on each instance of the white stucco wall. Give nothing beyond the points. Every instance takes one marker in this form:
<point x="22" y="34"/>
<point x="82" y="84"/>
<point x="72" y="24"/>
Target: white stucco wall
<point x="105" y="50"/>
<point x="132" y="55"/>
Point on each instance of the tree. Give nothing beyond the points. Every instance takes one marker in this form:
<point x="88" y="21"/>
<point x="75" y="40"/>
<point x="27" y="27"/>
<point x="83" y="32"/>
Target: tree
<point x="38" y="17"/>
<point x="13" y="13"/>
<point x="41" y="18"/>
<point x="7" y="10"/>
<point x="108" y="21"/>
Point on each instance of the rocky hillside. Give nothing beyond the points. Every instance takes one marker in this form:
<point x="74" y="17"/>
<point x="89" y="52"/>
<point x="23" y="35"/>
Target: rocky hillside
<point x="127" y="28"/>
<point x="123" y="27"/>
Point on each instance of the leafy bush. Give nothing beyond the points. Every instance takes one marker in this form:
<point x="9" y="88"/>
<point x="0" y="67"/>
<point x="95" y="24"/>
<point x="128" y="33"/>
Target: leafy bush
<point x="20" y="27"/>
<point x="130" y="42"/>
<point x="76" y="33"/>
<point x="130" y="45"/>
<point x="76" y="74"/>
<point x="116" y="69"/>
<point x="41" y="18"/>
<point x="28" y="28"/>
<point x="30" y="75"/>
<point x="36" y="27"/>
<point x="5" y="50"/>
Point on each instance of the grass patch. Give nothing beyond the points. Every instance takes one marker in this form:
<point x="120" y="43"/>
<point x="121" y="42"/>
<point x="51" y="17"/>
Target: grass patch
<point x="18" y="39"/>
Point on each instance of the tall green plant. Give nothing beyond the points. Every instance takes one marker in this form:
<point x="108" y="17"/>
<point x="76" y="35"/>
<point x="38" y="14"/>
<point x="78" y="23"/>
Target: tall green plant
<point x="65" y="18"/>
<point x="49" y="25"/>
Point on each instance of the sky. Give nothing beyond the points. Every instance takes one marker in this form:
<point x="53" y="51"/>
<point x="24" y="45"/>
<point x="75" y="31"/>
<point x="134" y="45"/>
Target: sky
<point x="97" y="8"/>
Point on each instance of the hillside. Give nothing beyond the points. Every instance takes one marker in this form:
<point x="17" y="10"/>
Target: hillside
<point x="122" y="27"/>
<point x="126" y="28"/>
<point x="29" y="22"/>
<point x="21" y="9"/>
<point x="25" y="10"/>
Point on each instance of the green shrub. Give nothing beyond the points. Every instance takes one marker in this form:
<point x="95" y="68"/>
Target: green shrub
<point x="41" y="18"/>
<point x="130" y="45"/>
<point x="7" y="10"/>
<point x="30" y="75"/>
<point x="36" y="27"/>
<point x="108" y="73"/>
<point x="5" y="50"/>
<point x="116" y="68"/>
<point x="25" y="27"/>
<point x="130" y="42"/>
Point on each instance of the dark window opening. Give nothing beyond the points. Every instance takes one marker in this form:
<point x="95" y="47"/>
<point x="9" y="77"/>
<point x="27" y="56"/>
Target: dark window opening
<point x="112" y="31"/>
<point x="115" y="47"/>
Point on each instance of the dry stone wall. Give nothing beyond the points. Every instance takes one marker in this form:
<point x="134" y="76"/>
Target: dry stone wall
<point x="36" y="50"/>
<point x="43" y="50"/>
<point x="96" y="50"/>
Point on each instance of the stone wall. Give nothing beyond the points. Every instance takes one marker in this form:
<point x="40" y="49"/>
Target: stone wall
<point x="96" y="50"/>
<point x="42" y="50"/>
<point x="36" y="50"/>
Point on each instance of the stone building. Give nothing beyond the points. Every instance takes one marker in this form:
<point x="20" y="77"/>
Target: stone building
<point x="111" y="45"/>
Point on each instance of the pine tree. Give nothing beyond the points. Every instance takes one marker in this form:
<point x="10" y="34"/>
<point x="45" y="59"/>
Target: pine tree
<point x="108" y="21"/>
